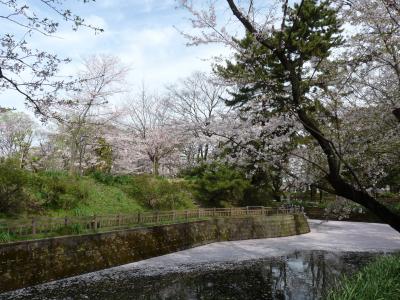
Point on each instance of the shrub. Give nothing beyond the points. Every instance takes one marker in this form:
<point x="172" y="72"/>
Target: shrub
<point x="217" y="185"/>
<point x="110" y="179"/>
<point x="13" y="194"/>
<point x="159" y="193"/>
<point x="6" y="237"/>
<point x="101" y="177"/>
<point x="378" y="280"/>
<point x="71" y="229"/>
<point x="60" y="191"/>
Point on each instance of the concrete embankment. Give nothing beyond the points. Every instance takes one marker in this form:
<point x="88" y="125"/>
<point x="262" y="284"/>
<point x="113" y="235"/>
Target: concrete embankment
<point x="32" y="262"/>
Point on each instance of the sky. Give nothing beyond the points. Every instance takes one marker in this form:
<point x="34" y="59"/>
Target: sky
<point x="142" y="33"/>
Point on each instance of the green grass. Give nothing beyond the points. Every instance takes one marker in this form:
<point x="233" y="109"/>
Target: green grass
<point x="101" y="200"/>
<point x="24" y="194"/>
<point x="379" y="280"/>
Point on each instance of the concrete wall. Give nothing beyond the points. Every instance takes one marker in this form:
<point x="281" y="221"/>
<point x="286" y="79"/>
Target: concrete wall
<point x="28" y="263"/>
<point x="319" y="214"/>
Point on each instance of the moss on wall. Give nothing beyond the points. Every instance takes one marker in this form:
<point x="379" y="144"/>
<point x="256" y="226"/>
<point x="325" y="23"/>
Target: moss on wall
<point x="27" y="263"/>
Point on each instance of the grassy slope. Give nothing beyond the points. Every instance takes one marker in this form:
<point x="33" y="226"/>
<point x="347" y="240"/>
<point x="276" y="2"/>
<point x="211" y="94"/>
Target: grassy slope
<point x="57" y="193"/>
<point x="101" y="199"/>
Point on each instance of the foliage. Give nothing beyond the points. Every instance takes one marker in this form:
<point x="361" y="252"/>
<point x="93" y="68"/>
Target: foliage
<point x="147" y="130"/>
<point x="342" y="208"/>
<point x="219" y="185"/>
<point x="71" y="229"/>
<point x="6" y="237"/>
<point x="151" y="192"/>
<point x="16" y="134"/>
<point x="378" y="280"/>
<point x="109" y="179"/>
<point x="291" y="69"/>
<point x="59" y="191"/>
<point x="105" y="155"/>
<point x="392" y="178"/>
<point x="14" y="197"/>
<point x="159" y="193"/>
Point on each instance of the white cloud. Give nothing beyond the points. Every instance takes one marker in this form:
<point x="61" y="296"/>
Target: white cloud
<point x="156" y="52"/>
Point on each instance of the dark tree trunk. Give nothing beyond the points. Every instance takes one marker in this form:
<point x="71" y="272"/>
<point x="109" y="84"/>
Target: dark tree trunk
<point x="348" y="191"/>
<point x="341" y="187"/>
<point x="396" y="113"/>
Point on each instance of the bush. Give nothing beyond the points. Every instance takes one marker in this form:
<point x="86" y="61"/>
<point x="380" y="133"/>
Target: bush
<point x="60" y="191"/>
<point x="217" y="185"/>
<point x="71" y="229"/>
<point x="159" y="193"/>
<point x="378" y="280"/>
<point x="6" y="237"/>
<point x="110" y="179"/>
<point x="101" y="177"/>
<point x="14" y="197"/>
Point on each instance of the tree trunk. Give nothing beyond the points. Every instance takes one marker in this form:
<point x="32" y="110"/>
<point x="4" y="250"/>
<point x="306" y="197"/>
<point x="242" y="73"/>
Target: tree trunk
<point x="156" y="167"/>
<point x="72" y="160"/>
<point x="205" y="152"/>
<point x="396" y="113"/>
<point x="346" y="190"/>
<point x="341" y="187"/>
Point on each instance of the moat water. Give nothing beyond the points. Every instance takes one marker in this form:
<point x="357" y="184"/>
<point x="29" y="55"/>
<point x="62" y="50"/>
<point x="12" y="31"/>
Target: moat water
<point x="298" y="275"/>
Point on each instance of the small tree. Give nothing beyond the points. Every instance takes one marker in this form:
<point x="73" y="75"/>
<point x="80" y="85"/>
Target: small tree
<point x="102" y="78"/>
<point x="150" y="133"/>
<point x="197" y="102"/>
<point x="16" y="135"/>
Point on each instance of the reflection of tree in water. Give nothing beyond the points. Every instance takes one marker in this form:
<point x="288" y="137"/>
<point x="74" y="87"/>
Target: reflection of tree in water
<point x="301" y="275"/>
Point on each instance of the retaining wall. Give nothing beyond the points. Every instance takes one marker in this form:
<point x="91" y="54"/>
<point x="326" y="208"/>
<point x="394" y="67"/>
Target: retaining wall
<point x="28" y="263"/>
<point x="319" y="214"/>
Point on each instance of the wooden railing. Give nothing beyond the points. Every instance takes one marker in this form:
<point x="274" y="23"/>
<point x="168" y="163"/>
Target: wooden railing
<point x="43" y="226"/>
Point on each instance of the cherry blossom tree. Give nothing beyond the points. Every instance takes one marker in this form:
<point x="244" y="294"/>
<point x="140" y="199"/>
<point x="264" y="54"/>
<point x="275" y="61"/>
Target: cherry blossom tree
<point x="16" y="135"/>
<point x="101" y="78"/>
<point x="32" y="72"/>
<point x="374" y="51"/>
<point x="148" y="133"/>
<point x="288" y="66"/>
<point x="197" y="102"/>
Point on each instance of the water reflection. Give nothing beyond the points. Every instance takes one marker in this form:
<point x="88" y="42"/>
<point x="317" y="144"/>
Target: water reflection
<point x="300" y="275"/>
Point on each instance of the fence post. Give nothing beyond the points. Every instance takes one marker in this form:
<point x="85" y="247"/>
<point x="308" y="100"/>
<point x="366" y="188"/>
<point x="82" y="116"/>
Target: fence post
<point x="173" y="216"/>
<point x="33" y="226"/>
<point x="247" y="210"/>
<point x="230" y="211"/>
<point x="186" y="215"/>
<point x="94" y="223"/>
<point x="262" y="210"/>
<point x="198" y="213"/>
<point x="66" y="221"/>
<point x="157" y="217"/>
<point x="118" y="220"/>
<point x="214" y="209"/>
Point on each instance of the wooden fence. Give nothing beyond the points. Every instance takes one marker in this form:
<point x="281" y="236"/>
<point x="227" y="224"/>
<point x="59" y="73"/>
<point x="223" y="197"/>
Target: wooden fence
<point x="69" y="225"/>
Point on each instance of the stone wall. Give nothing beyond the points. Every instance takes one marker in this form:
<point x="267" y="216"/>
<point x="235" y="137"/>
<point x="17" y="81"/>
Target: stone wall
<point x="28" y="263"/>
<point x="319" y="214"/>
